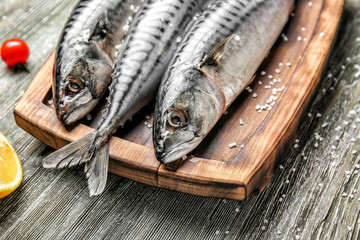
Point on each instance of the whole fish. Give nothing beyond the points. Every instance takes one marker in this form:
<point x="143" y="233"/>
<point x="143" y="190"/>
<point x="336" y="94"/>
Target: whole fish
<point x="86" y="53"/>
<point x="142" y="59"/>
<point x="214" y="63"/>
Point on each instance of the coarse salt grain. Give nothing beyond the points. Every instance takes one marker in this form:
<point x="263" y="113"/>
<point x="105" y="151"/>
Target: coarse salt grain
<point x="241" y="122"/>
<point x="284" y="37"/>
<point x="322" y="34"/>
<point x="263" y="73"/>
<point x="288" y="64"/>
<point x="232" y="145"/>
<point x="310" y="3"/>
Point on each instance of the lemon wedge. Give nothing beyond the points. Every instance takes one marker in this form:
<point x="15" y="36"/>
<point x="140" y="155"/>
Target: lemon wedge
<point x="10" y="168"/>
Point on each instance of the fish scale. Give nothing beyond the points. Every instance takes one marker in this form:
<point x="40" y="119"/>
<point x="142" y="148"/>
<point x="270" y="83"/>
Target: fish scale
<point x="86" y="53"/>
<point x="141" y="61"/>
<point x="142" y="45"/>
<point x="214" y="62"/>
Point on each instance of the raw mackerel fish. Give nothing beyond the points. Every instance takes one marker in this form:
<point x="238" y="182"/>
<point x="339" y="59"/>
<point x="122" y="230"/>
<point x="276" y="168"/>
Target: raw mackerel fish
<point x="213" y="64"/>
<point x="140" y="64"/>
<point x="86" y="53"/>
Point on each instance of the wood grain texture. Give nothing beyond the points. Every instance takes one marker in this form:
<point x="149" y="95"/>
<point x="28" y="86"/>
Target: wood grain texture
<point x="313" y="194"/>
<point x="215" y="170"/>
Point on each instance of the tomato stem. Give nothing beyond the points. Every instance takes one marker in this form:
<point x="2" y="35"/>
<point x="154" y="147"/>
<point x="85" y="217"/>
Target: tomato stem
<point x="20" y="67"/>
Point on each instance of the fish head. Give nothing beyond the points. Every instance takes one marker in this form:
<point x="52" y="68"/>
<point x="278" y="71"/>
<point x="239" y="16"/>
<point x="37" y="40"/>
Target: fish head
<point x="82" y="76"/>
<point x="184" y="116"/>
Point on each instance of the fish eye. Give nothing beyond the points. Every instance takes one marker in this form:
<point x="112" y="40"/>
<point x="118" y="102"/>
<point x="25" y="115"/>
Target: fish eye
<point x="74" y="85"/>
<point x="176" y="118"/>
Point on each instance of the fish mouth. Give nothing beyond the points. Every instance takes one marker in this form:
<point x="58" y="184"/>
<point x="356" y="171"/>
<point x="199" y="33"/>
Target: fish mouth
<point x="177" y="152"/>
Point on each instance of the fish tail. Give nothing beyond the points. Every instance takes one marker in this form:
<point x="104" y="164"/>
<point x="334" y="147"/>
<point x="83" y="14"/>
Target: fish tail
<point x="96" y="170"/>
<point x="88" y="150"/>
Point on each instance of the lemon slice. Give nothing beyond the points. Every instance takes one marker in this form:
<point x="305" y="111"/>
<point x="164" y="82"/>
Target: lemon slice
<point x="10" y="168"/>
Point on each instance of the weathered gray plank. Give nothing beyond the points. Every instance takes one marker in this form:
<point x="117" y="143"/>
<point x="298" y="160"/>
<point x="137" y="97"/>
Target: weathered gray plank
<point x="304" y="200"/>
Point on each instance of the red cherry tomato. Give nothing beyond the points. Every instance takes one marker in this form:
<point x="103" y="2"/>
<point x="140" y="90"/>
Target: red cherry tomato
<point x="14" y="51"/>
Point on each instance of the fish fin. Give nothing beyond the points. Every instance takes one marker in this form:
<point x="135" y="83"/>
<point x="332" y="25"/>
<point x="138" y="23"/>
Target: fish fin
<point x="213" y="60"/>
<point x="72" y="154"/>
<point x="96" y="170"/>
<point x="101" y="28"/>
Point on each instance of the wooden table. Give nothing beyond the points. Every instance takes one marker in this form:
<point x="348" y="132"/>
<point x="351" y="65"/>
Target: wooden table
<point x="313" y="194"/>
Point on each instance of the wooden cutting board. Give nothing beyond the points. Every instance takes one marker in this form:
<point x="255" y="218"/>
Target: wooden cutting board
<point x="263" y="122"/>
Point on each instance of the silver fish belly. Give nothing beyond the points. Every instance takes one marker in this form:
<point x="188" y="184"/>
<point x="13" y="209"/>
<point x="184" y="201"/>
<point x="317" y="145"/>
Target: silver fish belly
<point x="85" y="55"/>
<point x="215" y="62"/>
<point x="141" y="61"/>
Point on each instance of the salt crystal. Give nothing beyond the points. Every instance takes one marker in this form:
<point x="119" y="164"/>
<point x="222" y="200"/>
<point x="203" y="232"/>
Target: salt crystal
<point x="318" y="115"/>
<point x="344" y="194"/>
<point x="351" y="195"/>
<point x="266" y="221"/>
<point x="147" y="117"/>
<point x="310" y="3"/>
<point x="281" y="167"/>
<point x="299" y="38"/>
<point x="88" y="117"/>
<point x="241" y="122"/>
<point x="227" y="232"/>
<point x="288" y="64"/>
<point x="277" y="70"/>
<point x="263" y="228"/>
<point x="242" y="146"/>
<point x="322" y="34"/>
<point x="237" y="210"/>
<point x="280" y="64"/>
<point x="184" y="157"/>
<point x="254" y="95"/>
<point x="284" y="37"/>
<point x="303" y="29"/>
<point x="232" y="145"/>
<point x="270" y="76"/>
<point x="217" y="232"/>
<point x="263" y="73"/>
<point x="297" y="237"/>
<point x="320" y="184"/>
<point x="357" y="166"/>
